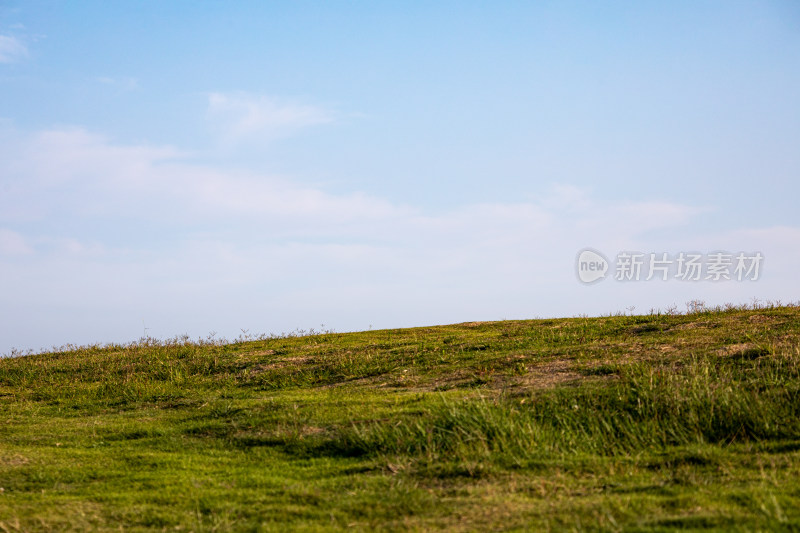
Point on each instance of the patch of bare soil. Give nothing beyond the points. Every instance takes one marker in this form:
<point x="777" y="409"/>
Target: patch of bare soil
<point x="745" y="349"/>
<point x="280" y="363"/>
<point x="548" y="375"/>
<point x="13" y="460"/>
<point x="260" y="352"/>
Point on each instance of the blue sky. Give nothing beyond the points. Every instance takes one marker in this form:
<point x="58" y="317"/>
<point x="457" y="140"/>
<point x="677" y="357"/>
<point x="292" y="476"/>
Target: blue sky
<point x="197" y="167"/>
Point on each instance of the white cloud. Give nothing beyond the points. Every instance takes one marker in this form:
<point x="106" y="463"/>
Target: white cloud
<point x="73" y="173"/>
<point x="123" y="83"/>
<point x="76" y="173"/>
<point x="12" y="243"/>
<point x="139" y="233"/>
<point x="11" y="49"/>
<point x="242" y="117"/>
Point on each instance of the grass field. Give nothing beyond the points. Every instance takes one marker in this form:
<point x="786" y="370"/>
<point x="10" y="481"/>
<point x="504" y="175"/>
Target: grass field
<point x="618" y="423"/>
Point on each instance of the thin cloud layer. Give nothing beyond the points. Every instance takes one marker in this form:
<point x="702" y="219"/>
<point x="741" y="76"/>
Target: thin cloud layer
<point x="240" y="117"/>
<point x="123" y="83"/>
<point x="11" y="49"/>
<point x="140" y="233"/>
<point x="74" y="173"/>
<point x="77" y="173"/>
<point x="12" y="243"/>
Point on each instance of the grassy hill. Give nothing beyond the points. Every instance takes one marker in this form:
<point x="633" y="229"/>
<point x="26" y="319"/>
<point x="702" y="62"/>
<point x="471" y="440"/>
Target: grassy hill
<point x="636" y="423"/>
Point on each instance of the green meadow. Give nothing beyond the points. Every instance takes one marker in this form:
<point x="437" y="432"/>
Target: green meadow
<point x="618" y="423"/>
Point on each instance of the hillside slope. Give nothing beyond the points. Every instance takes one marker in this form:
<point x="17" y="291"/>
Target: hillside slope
<point x="642" y="423"/>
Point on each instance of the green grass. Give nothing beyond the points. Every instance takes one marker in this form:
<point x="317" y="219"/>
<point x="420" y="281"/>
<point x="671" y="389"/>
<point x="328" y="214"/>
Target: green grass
<point x="619" y="423"/>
